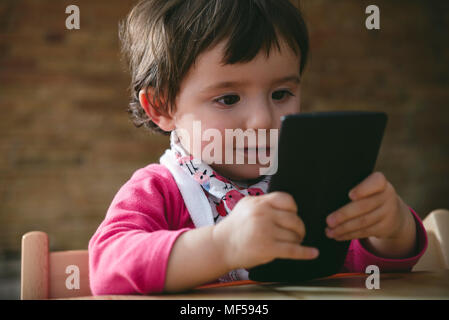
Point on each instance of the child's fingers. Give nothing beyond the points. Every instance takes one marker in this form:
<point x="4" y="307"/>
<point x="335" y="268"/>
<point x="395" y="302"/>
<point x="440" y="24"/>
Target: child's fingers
<point x="284" y="235"/>
<point x="281" y="200"/>
<point x="355" y="209"/>
<point x="286" y="250"/>
<point x="374" y="183"/>
<point x="362" y="233"/>
<point x="289" y="221"/>
<point x="363" y="221"/>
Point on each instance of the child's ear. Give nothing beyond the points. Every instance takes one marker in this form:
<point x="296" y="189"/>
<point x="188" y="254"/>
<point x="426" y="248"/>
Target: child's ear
<point x="163" y="120"/>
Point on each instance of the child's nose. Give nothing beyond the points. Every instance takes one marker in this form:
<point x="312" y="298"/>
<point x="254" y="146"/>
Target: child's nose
<point x="260" y="117"/>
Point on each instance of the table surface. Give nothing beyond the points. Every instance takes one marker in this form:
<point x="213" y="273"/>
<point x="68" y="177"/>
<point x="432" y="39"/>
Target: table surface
<point x="412" y="285"/>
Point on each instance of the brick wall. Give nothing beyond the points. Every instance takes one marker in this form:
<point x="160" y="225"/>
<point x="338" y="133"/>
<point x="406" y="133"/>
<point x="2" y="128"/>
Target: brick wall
<point x="67" y="146"/>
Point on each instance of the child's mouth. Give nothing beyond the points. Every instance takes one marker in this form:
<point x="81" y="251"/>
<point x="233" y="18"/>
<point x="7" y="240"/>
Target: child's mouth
<point x="254" y="151"/>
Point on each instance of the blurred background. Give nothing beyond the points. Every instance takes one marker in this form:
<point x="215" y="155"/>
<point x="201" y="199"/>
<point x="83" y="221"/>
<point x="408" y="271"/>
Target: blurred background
<point x="67" y="146"/>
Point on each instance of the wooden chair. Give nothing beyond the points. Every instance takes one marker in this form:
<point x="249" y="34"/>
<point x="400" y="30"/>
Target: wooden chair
<point x="47" y="275"/>
<point x="436" y="256"/>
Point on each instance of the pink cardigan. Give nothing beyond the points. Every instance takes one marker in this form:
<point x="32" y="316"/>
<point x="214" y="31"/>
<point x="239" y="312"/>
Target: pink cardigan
<point x="129" y="251"/>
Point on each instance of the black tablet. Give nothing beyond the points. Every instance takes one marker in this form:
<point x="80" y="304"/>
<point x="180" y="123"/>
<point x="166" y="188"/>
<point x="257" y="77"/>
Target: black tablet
<point x="321" y="157"/>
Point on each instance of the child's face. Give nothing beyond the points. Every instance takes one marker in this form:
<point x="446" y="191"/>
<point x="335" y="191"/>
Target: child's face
<point x="255" y="100"/>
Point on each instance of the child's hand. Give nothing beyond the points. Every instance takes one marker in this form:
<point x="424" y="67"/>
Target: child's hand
<point x="375" y="210"/>
<point x="260" y="229"/>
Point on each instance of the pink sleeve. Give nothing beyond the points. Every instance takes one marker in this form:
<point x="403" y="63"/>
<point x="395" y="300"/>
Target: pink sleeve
<point x="129" y="251"/>
<point x="358" y="258"/>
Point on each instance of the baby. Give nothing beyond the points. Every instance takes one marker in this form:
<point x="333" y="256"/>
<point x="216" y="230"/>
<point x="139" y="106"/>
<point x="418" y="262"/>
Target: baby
<point x="226" y="65"/>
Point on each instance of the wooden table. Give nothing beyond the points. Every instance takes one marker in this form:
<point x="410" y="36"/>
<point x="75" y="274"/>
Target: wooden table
<point x="413" y="285"/>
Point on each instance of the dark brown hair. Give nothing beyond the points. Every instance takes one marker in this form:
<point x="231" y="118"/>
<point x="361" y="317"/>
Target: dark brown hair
<point x="161" y="39"/>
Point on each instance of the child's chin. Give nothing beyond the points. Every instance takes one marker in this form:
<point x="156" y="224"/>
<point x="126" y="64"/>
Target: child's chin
<point x="239" y="171"/>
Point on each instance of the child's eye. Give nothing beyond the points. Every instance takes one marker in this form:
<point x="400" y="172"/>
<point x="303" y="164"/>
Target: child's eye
<point x="232" y="99"/>
<point x="278" y="95"/>
<point x="228" y="100"/>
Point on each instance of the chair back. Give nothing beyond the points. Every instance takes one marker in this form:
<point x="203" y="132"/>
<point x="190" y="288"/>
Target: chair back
<point x="47" y="275"/>
<point x="436" y="256"/>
